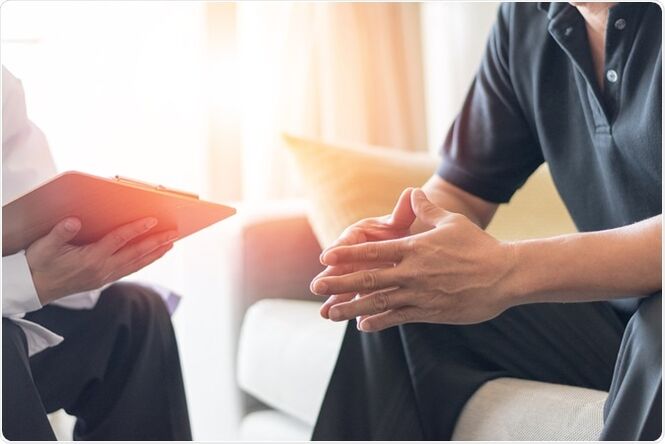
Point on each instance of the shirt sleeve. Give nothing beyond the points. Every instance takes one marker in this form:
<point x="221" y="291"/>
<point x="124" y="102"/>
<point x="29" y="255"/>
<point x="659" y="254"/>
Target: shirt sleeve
<point x="489" y="150"/>
<point x="18" y="291"/>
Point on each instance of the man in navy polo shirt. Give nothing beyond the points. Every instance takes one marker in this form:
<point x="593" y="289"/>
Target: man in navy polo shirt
<point x="577" y="86"/>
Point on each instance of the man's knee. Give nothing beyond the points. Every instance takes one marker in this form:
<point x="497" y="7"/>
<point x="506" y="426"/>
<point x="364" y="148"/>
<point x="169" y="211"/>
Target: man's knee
<point x="646" y="323"/>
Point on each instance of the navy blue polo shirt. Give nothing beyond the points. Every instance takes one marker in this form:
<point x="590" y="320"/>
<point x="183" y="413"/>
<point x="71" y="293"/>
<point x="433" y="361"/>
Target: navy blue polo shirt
<point x="536" y="99"/>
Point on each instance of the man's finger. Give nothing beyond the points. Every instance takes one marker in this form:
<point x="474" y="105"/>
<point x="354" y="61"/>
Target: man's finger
<point x="371" y="304"/>
<point x="134" y="252"/>
<point x="332" y="300"/>
<point x="403" y="216"/>
<point x="390" y="318"/>
<point x="358" y="282"/>
<point x="119" y="237"/>
<point x="339" y="270"/>
<point x="425" y="210"/>
<point x="351" y="236"/>
<point x="372" y="252"/>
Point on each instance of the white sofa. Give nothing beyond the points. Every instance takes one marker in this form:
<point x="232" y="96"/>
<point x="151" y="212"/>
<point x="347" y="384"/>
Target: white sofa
<point x="286" y="352"/>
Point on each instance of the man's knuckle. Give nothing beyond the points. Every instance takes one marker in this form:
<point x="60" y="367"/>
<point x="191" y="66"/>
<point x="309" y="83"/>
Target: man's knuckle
<point x="455" y="218"/>
<point x="403" y="316"/>
<point x="411" y="276"/>
<point x="381" y="301"/>
<point x="353" y="232"/>
<point x="410" y="244"/>
<point x="368" y="279"/>
<point x="371" y="252"/>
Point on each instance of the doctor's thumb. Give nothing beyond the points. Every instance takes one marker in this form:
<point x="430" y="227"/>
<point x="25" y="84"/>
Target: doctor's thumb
<point x="64" y="231"/>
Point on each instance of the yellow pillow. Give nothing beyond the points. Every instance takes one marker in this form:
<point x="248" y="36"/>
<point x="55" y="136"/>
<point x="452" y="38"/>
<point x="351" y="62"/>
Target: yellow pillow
<point x="346" y="183"/>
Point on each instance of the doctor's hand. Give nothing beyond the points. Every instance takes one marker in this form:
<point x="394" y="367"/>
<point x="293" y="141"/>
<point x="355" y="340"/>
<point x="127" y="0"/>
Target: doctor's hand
<point x="392" y="226"/>
<point x="455" y="273"/>
<point x="59" y="268"/>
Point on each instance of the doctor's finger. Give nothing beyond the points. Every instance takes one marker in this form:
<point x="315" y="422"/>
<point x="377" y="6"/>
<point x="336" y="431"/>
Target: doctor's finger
<point x="132" y="253"/>
<point x="141" y="262"/>
<point x="119" y="237"/>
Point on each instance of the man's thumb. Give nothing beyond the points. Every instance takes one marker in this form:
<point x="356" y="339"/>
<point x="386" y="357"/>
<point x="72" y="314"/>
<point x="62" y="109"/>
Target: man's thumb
<point x="64" y="231"/>
<point x="425" y="210"/>
<point x="403" y="215"/>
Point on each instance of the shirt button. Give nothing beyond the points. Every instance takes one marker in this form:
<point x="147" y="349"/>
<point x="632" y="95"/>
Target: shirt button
<point x="620" y="24"/>
<point x="612" y="75"/>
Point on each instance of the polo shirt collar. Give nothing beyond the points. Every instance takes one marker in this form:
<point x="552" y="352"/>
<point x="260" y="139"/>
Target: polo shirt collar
<point x="553" y="8"/>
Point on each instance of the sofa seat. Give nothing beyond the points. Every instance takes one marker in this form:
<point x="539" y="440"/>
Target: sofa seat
<point x="287" y="353"/>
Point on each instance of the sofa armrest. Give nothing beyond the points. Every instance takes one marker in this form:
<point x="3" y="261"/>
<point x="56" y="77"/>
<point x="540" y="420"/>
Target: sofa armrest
<point x="274" y="254"/>
<point x="278" y="252"/>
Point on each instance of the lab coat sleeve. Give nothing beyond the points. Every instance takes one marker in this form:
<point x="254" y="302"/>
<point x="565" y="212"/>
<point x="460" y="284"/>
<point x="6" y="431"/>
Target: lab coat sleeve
<point x="18" y="291"/>
<point x="26" y="159"/>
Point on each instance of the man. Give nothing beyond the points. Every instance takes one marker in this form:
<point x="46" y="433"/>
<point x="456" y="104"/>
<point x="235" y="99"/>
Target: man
<point x="577" y="86"/>
<point x="108" y="357"/>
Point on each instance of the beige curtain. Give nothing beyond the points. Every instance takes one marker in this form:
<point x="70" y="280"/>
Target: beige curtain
<point x="336" y="71"/>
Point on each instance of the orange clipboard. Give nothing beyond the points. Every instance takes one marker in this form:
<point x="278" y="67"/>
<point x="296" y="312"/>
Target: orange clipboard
<point x="102" y="205"/>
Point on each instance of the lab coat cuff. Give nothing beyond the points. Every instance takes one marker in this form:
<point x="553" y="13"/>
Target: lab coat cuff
<point x="19" y="294"/>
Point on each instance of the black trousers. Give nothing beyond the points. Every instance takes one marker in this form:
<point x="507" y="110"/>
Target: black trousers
<point x="411" y="382"/>
<point x="117" y="371"/>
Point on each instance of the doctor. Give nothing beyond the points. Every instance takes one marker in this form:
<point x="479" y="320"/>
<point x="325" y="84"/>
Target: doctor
<point x="108" y="357"/>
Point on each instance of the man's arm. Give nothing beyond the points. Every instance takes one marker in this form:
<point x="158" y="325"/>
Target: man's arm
<point x="456" y="273"/>
<point x="589" y="266"/>
<point x="568" y="268"/>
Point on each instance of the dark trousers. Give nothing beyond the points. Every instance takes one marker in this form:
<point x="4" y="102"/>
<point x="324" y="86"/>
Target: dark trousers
<point x="117" y="371"/>
<point x="411" y="382"/>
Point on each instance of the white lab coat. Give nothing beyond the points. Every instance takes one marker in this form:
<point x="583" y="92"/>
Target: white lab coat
<point x="26" y="162"/>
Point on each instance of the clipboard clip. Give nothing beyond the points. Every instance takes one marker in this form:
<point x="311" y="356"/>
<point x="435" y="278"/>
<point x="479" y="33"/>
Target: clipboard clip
<point x="153" y="186"/>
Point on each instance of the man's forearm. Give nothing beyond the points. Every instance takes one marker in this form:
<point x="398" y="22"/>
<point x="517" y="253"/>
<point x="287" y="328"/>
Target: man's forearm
<point x="591" y="266"/>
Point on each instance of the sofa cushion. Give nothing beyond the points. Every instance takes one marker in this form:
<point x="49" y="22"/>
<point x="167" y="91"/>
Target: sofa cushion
<point x="508" y="409"/>
<point x="287" y="354"/>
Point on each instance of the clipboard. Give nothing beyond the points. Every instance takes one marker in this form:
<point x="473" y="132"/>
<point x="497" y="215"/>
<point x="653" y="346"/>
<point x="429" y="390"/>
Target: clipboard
<point x="102" y="205"/>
